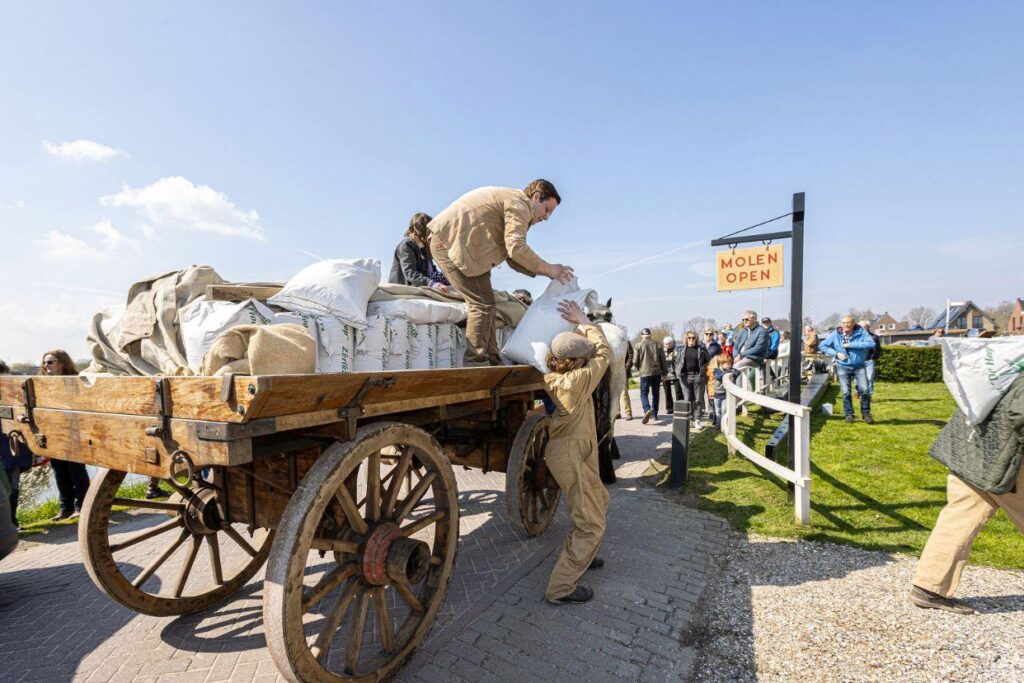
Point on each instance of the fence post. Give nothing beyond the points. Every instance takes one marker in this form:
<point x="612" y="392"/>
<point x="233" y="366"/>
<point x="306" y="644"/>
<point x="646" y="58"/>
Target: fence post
<point x="801" y="442"/>
<point x="680" y="444"/>
<point x="729" y="420"/>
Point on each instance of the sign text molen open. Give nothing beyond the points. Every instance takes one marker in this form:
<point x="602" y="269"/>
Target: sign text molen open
<point x="750" y="268"/>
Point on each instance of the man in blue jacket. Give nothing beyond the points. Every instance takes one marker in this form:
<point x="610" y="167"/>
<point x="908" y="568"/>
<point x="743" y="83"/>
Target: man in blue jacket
<point x="750" y="345"/>
<point x="849" y="345"/>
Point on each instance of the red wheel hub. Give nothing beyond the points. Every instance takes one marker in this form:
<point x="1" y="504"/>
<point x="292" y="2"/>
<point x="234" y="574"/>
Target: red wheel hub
<point x="375" y="553"/>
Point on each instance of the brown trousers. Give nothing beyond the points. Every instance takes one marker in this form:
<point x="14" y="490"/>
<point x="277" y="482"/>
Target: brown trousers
<point x="949" y="545"/>
<point x="573" y="463"/>
<point x="481" y="309"/>
<point x="625" y="405"/>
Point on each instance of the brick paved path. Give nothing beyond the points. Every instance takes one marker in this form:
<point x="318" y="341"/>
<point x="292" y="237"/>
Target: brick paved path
<point x="56" y="626"/>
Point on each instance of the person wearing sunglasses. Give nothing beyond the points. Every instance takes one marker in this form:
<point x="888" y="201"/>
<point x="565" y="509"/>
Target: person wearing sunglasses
<point x="71" y="477"/>
<point x="691" y="363"/>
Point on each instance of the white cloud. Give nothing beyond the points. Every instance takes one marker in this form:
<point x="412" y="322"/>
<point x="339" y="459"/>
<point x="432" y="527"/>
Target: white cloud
<point x="177" y="203"/>
<point x="82" y="150"/>
<point x="18" y="204"/>
<point x="61" y="247"/>
<point x="114" y="239"/>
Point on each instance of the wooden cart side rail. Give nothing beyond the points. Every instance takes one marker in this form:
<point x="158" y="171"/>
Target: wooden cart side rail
<point x="251" y="398"/>
<point x="122" y="442"/>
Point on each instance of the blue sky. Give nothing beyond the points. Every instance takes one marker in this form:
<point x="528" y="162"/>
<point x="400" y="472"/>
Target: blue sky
<point x="254" y="136"/>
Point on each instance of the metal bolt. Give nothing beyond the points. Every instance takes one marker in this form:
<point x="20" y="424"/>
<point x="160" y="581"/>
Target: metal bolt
<point x="241" y="410"/>
<point x="251" y="389"/>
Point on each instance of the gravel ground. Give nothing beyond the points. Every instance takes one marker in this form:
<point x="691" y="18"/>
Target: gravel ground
<point x="785" y="611"/>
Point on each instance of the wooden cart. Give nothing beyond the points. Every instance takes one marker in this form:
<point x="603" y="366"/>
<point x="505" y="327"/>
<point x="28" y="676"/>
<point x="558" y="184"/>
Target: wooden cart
<point x="344" y="482"/>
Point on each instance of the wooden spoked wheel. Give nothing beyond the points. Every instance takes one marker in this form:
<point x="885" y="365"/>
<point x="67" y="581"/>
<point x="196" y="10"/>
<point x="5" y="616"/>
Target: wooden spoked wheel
<point x="150" y="562"/>
<point x="357" y="607"/>
<point x="531" y="492"/>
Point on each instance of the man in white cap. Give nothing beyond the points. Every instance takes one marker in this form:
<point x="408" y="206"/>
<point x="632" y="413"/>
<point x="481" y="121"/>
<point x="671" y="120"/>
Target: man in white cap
<point x="577" y="363"/>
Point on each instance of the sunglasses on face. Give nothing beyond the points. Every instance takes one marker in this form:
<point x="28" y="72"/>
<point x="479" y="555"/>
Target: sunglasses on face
<point x="49" y="362"/>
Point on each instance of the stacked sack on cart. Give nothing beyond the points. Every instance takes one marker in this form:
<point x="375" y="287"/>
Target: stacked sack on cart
<point x="356" y="323"/>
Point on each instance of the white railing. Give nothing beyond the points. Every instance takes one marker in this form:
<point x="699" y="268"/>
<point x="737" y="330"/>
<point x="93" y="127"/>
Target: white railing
<point x="800" y="475"/>
<point x="774" y="375"/>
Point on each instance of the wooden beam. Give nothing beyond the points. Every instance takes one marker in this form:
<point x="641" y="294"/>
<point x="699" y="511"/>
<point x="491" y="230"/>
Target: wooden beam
<point x="260" y="292"/>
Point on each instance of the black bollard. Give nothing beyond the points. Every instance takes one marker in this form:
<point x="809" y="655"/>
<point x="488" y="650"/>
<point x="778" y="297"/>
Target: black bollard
<point x="680" y="444"/>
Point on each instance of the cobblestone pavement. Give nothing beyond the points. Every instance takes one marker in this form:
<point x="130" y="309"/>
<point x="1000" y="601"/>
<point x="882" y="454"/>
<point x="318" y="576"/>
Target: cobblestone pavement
<point x="56" y="626"/>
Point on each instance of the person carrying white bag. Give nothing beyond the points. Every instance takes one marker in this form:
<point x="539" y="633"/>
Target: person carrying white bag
<point x="531" y="340"/>
<point x="479" y="231"/>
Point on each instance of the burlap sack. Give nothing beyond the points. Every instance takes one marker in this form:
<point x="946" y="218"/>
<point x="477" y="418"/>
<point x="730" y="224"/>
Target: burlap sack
<point x="262" y="350"/>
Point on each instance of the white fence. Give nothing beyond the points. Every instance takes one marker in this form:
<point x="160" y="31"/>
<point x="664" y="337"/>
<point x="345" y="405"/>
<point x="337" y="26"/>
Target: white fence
<point x="800" y="475"/>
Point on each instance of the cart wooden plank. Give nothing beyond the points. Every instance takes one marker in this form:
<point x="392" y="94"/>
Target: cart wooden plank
<point x="121" y="442"/>
<point x="251" y="398"/>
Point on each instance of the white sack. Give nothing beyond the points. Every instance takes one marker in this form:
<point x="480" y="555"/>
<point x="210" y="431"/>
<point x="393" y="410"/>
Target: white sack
<point x="338" y="287"/>
<point x="403" y="337"/>
<point x="419" y="311"/>
<point x="202" y="321"/>
<point x="423" y="350"/>
<point x="979" y="371"/>
<point x="373" y="345"/>
<point x="451" y="346"/>
<point x="335" y="341"/>
<point x="543" y="322"/>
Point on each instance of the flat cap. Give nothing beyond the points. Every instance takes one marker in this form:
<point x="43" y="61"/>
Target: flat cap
<point x="572" y="345"/>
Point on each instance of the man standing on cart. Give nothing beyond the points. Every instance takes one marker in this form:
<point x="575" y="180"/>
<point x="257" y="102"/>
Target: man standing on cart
<point x="476" y="233"/>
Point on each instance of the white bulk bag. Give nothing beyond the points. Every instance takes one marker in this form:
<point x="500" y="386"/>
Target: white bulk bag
<point x="543" y="321"/>
<point x="419" y="311"/>
<point x="450" y="351"/>
<point x="336" y="341"/>
<point x="202" y="321"/>
<point x="979" y="371"/>
<point x="373" y="345"/>
<point x="423" y="349"/>
<point x="338" y="287"/>
<point x="403" y="337"/>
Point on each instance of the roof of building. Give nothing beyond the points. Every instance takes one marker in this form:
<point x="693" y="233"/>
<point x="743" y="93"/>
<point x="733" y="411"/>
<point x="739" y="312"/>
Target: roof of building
<point x="956" y="309"/>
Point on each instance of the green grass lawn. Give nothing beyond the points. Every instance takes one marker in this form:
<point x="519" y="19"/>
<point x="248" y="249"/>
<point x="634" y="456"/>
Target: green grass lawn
<point x="873" y="486"/>
<point x="36" y="519"/>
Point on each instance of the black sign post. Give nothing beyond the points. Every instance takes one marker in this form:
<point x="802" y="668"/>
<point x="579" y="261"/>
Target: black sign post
<point x="796" y="305"/>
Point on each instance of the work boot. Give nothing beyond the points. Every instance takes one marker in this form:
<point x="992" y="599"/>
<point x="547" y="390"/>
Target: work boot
<point x="580" y="595"/>
<point x="596" y="563"/>
<point x="849" y="418"/>
<point x="61" y="516"/>
<point x="154" y="491"/>
<point x="648" y="415"/>
<point x="867" y="418"/>
<point x="925" y="599"/>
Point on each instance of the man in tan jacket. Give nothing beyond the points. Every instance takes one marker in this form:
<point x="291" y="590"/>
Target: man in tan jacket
<point x="479" y="231"/>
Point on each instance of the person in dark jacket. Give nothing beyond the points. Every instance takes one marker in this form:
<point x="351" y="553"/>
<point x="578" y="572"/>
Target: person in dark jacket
<point x="873" y="355"/>
<point x="985" y="475"/>
<point x="649" y="361"/>
<point x="412" y="264"/>
<point x="669" y="379"/>
<point x="691" y="363"/>
<point x="13" y="464"/>
<point x="71" y="477"/>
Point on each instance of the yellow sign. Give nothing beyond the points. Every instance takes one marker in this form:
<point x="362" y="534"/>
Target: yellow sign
<point x="751" y="268"/>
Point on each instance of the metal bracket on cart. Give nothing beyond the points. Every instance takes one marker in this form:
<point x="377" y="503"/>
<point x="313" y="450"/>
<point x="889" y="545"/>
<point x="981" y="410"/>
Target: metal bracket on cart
<point x="496" y="394"/>
<point x="351" y="413"/>
<point x="162" y="387"/>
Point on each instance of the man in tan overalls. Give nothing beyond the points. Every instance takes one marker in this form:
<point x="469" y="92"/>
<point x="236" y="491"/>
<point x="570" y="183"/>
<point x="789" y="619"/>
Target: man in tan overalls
<point x="577" y="364"/>
<point x="477" y="232"/>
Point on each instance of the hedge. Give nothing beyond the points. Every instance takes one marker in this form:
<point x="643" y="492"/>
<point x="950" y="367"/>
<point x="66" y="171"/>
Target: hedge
<point x="909" y="364"/>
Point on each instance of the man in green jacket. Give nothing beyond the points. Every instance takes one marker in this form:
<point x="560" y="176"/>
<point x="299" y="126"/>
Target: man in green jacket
<point x="985" y="475"/>
<point x="649" y="361"/>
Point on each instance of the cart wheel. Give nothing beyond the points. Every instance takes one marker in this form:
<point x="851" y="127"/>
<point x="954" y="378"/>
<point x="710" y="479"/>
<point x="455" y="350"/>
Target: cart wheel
<point x="166" y="586"/>
<point x="358" y="613"/>
<point x="531" y="493"/>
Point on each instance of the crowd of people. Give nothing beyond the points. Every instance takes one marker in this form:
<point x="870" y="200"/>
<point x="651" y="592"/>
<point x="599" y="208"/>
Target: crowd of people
<point x="695" y="371"/>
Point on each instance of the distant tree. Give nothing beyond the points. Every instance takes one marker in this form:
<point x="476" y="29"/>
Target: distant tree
<point x="1000" y="314"/>
<point x="862" y="314"/>
<point x="658" y="332"/>
<point x="82" y="364"/>
<point x="830" y="322"/>
<point x="922" y="316"/>
<point x="24" y="369"/>
<point x="698" y="323"/>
